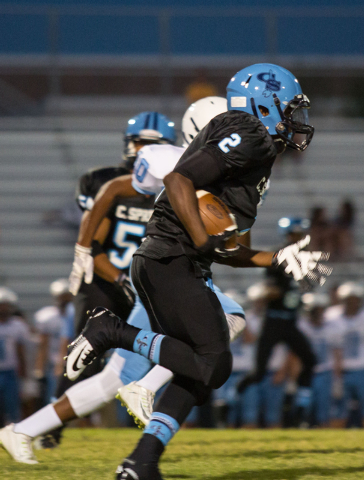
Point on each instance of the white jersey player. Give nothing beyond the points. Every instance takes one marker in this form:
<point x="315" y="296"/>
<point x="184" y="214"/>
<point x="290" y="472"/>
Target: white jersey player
<point x="51" y="322"/>
<point x="152" y="165"/>
<point x="350" y="324"/>
<point x="13" y="337"/>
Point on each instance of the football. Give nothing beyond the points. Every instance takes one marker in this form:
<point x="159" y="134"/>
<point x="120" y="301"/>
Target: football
<point x="215" y="215"/>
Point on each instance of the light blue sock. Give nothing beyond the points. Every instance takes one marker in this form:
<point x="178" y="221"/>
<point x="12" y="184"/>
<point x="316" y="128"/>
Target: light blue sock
<point x="162" y="426"/>
<point x="148" y="344"/>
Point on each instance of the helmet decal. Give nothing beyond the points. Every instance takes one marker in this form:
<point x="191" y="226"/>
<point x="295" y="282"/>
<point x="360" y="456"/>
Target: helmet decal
<point x="271" y="84"/>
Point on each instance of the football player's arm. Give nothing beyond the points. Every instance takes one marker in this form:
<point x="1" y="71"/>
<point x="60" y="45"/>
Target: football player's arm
<point x="118" y="187"/>
<point x="83" y="263"/>
<point x="102" y="265"/>
<point x="248" y="258"/>
<point x="198" y="170"/>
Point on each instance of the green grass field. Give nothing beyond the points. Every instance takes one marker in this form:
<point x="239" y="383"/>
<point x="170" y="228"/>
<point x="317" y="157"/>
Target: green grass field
<point x="204" y="454"/>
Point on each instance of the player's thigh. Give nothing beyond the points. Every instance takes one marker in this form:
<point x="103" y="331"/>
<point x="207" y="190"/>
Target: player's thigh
<point x="179" y="302"/>
<point x="268" y="339"/>
<point x="299" y="344"/>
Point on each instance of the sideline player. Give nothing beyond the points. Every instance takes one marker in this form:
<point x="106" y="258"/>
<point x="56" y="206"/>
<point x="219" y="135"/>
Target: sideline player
<point x="50" y="322"/>
<point x="324" y="337"/>
<point x="94" y="392"/>
<point x="232" y="157"/>
<point x="13" y="337"/>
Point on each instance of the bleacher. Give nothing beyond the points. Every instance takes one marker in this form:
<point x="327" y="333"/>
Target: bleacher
<point x="42" y="157"/>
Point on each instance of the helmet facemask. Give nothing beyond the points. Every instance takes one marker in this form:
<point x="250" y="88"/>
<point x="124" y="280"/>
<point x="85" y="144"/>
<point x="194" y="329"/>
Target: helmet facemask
<point x="134" y="142"/>
<point x="294" y="120"/>
<point x="146" y="128"/>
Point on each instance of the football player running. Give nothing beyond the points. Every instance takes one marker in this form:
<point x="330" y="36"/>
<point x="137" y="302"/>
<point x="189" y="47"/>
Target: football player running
<point x="123" y="367"/>
<point x="232" y="157"/>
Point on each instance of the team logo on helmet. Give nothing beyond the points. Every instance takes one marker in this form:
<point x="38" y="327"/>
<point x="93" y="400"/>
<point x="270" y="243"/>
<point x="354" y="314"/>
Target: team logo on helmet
<point x="271" y="84"/>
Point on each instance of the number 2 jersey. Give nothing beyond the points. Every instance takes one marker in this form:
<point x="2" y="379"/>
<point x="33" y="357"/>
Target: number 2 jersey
<point x="129" y="216"/>
<point x="235" y="161"/>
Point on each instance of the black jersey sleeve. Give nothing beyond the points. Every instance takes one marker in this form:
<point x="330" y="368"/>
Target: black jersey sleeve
<point x="202" y="168"/>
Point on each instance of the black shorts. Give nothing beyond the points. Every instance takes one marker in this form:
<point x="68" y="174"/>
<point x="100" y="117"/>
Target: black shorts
<point x="180" y="304"/>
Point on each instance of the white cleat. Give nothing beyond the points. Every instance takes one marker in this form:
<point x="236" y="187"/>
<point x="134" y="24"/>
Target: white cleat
<point x="18" y="445"/>
<point x="138" y="401"/>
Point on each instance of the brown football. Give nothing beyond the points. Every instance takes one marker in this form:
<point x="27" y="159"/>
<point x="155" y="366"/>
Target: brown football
<point x="215" y="215"/>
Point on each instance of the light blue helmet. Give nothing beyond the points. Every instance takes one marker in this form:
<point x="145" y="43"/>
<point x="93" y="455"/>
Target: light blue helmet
<point x="147" y="127"/>
<point x="272" y="94"/>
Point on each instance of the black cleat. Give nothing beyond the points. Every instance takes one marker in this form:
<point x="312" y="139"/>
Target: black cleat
<point x="95" y="339"/>
<point x="131" y="470"/>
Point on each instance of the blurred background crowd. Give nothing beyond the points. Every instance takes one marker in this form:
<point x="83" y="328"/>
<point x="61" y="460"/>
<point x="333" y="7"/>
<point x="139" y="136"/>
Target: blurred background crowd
<point x="72" y="74"/>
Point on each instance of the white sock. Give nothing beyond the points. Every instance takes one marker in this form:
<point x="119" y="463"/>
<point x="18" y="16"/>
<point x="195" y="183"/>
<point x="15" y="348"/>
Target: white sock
<point x="40" y="422"/>
<point x="155" y="378"/>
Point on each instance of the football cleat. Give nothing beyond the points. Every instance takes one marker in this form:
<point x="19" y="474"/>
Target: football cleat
<point x="18" y="445"/>
<point x="138" y="401"/>
<point x="100" y="334"/>
<point x="45" y="442"/>
<point x="81" y="354"/>
<point x="130" y="470"/>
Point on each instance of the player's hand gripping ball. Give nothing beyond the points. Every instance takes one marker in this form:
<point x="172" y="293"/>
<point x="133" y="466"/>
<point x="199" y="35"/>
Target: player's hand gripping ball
<point x="218" y="221"/>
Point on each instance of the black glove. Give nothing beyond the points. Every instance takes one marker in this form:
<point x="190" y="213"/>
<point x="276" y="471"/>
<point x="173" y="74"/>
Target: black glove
<point x="124" y="287"/>
<point x="215" y="247"/>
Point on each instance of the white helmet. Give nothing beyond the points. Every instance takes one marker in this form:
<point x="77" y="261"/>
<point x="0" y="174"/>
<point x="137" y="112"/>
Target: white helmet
<point x="8" y="296"/>
<point x="199" y="114"/>
<point x="313" y="300"/>
<point x="59" y="287"/>
<point x="350" y="289"/>
<point x="258" y="291"/>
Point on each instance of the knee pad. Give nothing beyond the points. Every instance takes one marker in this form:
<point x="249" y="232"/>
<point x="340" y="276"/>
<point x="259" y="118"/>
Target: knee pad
<point x="216" y="368"/>
<point x="95" y="392"/>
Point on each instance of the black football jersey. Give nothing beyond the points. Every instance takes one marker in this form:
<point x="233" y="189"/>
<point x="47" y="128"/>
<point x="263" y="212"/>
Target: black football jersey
<point x="241" y="153"/>
<point x="287" y="306"/>
<point x="129" y="216"/>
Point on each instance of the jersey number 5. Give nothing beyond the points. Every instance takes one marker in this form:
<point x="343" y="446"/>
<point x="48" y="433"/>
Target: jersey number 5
<point x="122" y="240"/>
<point x="233" y="141"/>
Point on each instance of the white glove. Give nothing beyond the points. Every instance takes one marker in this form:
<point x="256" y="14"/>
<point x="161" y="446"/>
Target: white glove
<point x="304" y="267"/>
<point x="83" y="265"/>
